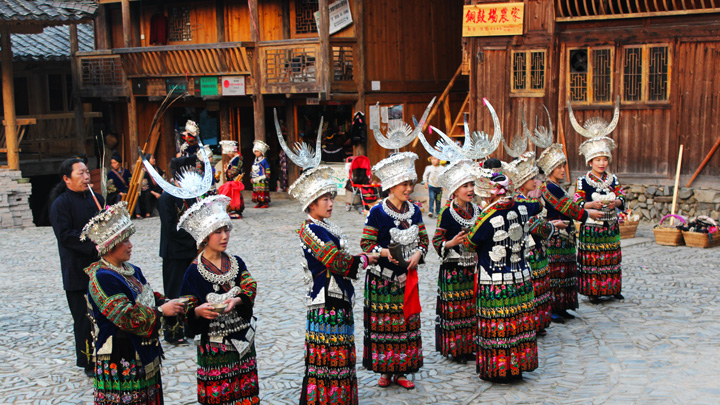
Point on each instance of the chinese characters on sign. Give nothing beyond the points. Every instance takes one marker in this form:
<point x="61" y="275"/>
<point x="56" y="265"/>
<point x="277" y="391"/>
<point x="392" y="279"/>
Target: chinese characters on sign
<point x="484" y="20"/>
<point x="340" y="17"/>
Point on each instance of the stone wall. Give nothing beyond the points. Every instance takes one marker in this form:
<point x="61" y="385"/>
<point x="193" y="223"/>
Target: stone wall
<point x="654" y="202"/>
<point x="15" y="210"/>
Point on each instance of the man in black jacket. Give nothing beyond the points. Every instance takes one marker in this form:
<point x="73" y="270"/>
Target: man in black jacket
<point x="177" y="247"/>
<point x="69" y="213"/>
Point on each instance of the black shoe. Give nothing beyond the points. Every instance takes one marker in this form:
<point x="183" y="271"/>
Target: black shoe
<point x="556" y="318"/>
<point x="90" y="371"/>
<point x="460" y="359"/>
<point x="619" y="297"/>
<point x="567" y="315"/>
<point x="595" y="299"/>
<point x="541" y="332"/>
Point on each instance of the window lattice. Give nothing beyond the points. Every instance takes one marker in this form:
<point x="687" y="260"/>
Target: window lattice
<point x="179" y="25"/>
<point x="342" y="62"/>
<point x="528" y="71"/>
<point x="602" y="72"/>
<point x="305" y="16"/>
<point x="296" y="65"/>
<point x="658" y="73"/>
<point x="578" y="75"/>
<point x="632" y="71"/>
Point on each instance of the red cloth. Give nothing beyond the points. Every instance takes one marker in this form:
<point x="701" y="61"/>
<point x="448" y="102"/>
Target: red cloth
<point x="233" y="189"/>
<point x="411" y="304"/>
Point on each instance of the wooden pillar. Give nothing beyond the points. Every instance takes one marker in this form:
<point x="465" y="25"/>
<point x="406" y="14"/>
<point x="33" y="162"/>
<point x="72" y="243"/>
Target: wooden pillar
<point x="359" y="68"/>
<point x="101" y="29"/>
<point x="220" y="19"/>
<point x="126" y="24"/>
<point x="132" y="154"/>
<point x="225" y="129"/>
<point x="324" y="62"/>
<point x="8" y="92"/>
<point x="258" y="101"/>
<point x="77" y="103"/>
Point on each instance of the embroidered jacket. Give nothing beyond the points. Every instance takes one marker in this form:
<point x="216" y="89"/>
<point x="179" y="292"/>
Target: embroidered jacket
<point x="447" y="228"/>
<point x="260" y="169"/>
<point x="234" y="168"/>
<point x="559" y="205"/>
<point x="539" y="228"/>
<point x="586" y="189"/>
<point x="116" y="310"/>
<point x="377" y="234"/>
<point x="327" y="267"/>
<point x="499" y="237"/>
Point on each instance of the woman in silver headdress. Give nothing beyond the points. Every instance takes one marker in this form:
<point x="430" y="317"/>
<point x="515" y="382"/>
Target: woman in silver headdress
<point x="127" y="315"/>
<point x="220" y="313"/>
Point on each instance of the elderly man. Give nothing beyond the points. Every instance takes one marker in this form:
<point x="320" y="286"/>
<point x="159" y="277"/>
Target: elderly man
<point x="69" y="213"/>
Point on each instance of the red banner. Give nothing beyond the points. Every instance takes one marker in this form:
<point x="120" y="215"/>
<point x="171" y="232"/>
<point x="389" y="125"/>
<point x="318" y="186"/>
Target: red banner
<point x="497" y="19"/>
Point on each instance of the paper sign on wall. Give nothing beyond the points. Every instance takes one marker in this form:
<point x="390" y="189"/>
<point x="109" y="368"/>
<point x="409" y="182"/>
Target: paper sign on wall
<point x="233" y="85"/>
<point x="340" y="16"/>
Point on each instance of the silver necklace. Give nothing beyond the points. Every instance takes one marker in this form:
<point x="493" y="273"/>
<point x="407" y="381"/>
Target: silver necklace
<point x="398" y="217"/>
<point x="465" y="223"/>
<point x="219" y="279"/>
<point x="124" y="269"/>
<point x="333" y="229"/>
<point x="599" y="185"/>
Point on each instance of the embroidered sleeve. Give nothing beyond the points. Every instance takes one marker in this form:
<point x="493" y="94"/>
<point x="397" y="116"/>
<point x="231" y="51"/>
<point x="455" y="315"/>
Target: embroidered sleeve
<point x="234" y="169"/>
<point x="540" y="228"/>
<point x="248" y="285"/>
<point x="327" y="253"/>
<point x="369" y="238"/>
<point x="619" y="192"/>
<point x="476" y="235"/>
<point x="564" y="204"/>
<point x="580" y="196"/>
<point x="439" y="237"/>
<point x="107" y="293"/>
<point x="424" y="241"/>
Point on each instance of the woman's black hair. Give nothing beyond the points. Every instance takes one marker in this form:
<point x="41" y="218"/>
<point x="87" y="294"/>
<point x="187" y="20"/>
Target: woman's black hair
<point x="66" y="169"/>
<point x="116" y="157"/>
<point x="492" y="163"/>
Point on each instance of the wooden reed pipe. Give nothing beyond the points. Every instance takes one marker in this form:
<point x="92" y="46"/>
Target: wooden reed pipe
<point x="677" y="181"/>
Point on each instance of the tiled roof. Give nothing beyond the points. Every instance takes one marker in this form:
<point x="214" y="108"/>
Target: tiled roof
<point x="52" y="44"/>
<point x="38" y="11"/>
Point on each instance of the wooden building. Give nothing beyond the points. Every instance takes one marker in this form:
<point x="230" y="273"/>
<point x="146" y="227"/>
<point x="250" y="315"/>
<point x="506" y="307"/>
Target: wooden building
<point x="240" y="60"/>
<point x="662" y="58"/>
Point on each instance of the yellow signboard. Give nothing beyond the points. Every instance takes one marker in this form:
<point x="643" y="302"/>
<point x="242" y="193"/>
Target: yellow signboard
<point x="495" y="19"/>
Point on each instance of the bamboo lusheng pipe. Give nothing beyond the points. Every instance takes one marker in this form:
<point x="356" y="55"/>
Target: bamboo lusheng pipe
<point x="704" y="162"/>
<point x="677" y="180"/>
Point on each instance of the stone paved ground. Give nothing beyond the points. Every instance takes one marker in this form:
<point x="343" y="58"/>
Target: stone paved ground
<point x="659" y="345"/>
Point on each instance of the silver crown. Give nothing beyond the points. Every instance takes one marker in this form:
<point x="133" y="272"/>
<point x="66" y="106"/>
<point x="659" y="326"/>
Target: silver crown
<point x="478" y="145"/>
<point x="457" y="173"/>
<point x="191" y="185"/>
<point x="108" y="228"/>
<point x="228" y="147"/>
<point x="303" y="155"/>
<point x="396" y="169"/>
<point x="521" y="169"/>
<point x="443" y="148"/>
<point x="483" y="183"/>
<point x="260" y="146"/>
<point x="205" y="216"/>
<point x="312" y="184"/>
<point x="519" y="143"/>
<point x="543" y="137"/>
<point x="596" y="126"/>
<point x="400" y="134"/>
<point x="599" y="146"/>
<point x="551" y="158"/>
<point x="192" y="128"/>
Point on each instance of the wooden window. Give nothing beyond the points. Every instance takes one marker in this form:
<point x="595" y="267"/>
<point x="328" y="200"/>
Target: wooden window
<point x="590" y="75"/>
<point x="56" y="92"/>
<point x="528" y="72"/>
<point x="305" y="16"/>
<point x="179" y="24"/>
<point x="646" y="73"/>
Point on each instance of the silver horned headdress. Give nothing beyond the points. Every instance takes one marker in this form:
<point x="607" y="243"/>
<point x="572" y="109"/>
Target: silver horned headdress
<point x="397" y="168"/>
<point x="400" y="134"/>
<point x="444" y="149"/>
<point x="457" y="173"/>
<point x="597" y="129"/>
<point x="205" y="216"/>
<point x="543" y="137"/>
<point x="316" y="180"/>
<point x="478" y="145"/>
<point x="521" y="169"/>
<point x="191" y="184"/>
<point x="551" y="158"/>
<point x="108" y="228"/>
<point x="519" y="143"/>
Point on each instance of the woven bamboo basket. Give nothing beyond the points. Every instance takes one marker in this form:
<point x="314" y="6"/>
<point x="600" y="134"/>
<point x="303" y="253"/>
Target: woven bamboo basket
<point x="701" y="239"/>
<point x="628" y="230"/>
<point x="669" y="236"/>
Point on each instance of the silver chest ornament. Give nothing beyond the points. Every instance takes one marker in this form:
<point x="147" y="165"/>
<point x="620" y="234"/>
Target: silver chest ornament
<point x="409" y="239"/>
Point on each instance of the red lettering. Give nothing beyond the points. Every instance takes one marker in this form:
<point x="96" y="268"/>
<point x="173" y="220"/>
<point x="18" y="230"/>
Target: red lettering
<point x="492" y="15"/>
<point x="504" y="15"/>
<point x="470" y="16"/>
<point x="481" y="16"/>
<point x="515" y="14"/>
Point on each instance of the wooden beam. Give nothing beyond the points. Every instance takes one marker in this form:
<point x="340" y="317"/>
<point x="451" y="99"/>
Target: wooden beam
<point x="101" y="29"/>
<point x="324" y="60"/>
<point x="126" y="24"/>
<point x="132" y="127"/>
<point x="8" y="92"/>
<point x="359" y="68"/>
<point x="258" y="101"/>
<point x="220" y="19"/>
<point x="225" y="129"/>
<point x="77" y="103"/>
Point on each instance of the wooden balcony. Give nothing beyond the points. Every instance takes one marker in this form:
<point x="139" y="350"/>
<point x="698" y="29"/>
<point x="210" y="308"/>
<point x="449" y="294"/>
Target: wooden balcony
<point x="226" y="58"/>
<point x="101" y="75"/>
<point x="290" y="66"/>
<point x="578" y="10"/>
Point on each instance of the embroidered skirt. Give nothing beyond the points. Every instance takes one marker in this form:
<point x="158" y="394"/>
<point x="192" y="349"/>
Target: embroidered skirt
<point x="224" y="378"/>
<point x="393" y="345"/>
<point x="538" y="260"/>
<point x="599" y="258"/>
<point x="506" y="341"/>
<point x="261" y="191"/>
<point x="456" y="321"/>
<point x="563" y="273"/>
<point x="125" y="381"/>
<point x="329" y="358"/>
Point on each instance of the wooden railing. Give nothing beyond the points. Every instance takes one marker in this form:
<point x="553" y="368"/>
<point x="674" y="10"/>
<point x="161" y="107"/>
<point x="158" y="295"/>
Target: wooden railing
<point x="51" y="135"/>
<point x="572" y="10"/>
<point x="226" y="58"/>
<point x="101" y="75"/>
<point x="290" y="66"/>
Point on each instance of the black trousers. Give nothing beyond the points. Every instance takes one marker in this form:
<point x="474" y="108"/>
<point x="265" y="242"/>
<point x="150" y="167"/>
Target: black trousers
<point x="173" y="274"/>
<point x="81" y="327"/>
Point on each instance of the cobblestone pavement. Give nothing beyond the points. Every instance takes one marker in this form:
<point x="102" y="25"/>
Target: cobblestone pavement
<point x="660" y="344"/>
